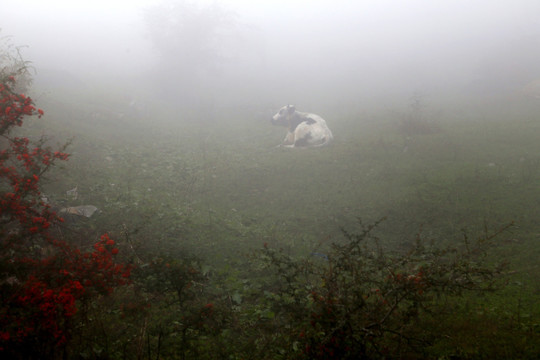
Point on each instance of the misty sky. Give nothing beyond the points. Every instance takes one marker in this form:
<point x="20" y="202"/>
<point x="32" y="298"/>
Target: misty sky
<point x="375" y="44"/>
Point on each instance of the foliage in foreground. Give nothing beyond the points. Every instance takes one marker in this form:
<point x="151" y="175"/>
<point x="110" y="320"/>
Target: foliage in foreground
<point x="364" y="302"/>
<point x="44" y="280"/>
<point x="356" y="301"/>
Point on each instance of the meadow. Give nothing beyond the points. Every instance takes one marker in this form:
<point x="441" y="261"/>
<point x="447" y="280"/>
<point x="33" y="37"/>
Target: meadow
<point x="211" y="183"/>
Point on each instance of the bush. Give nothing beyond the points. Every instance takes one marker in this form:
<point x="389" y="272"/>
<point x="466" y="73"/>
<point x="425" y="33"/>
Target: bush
<point x="362" y="302"/>
<point x="43" y="279"/>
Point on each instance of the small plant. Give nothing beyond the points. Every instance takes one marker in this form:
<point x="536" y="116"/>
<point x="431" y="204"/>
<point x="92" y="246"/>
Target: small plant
<point x="12" y="62"/>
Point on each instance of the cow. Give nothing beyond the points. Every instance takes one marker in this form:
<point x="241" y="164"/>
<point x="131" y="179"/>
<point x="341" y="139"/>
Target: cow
<point x="304" y="129"/>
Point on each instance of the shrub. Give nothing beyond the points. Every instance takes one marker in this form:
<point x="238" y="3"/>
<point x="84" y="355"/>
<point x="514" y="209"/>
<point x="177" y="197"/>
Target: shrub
<point x="363" y="302"/>
<point x="42" y="278"/>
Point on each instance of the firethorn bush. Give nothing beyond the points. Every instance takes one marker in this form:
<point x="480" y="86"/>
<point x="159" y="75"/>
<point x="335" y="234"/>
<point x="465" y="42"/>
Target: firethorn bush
<point x="363" y="302"/>
<point x="43" y="279"/>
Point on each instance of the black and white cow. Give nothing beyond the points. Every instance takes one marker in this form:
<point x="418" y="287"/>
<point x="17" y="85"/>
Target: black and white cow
<point x="304" y="129"/>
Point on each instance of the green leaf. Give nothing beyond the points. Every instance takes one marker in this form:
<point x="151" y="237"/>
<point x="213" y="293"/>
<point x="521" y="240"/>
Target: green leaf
<point x="237" y="298"/>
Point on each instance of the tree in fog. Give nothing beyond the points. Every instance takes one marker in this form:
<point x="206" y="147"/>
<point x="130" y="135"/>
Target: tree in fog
<point x="195" y="43"/>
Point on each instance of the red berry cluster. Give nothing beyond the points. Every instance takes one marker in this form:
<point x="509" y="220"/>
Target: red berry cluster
<point x="40" y="294"/>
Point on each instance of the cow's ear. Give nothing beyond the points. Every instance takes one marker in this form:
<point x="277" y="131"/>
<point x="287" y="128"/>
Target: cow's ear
<point x="291" y="109"/>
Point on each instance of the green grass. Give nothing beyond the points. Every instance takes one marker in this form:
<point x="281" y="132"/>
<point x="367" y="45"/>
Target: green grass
<point x="220" y="188"/>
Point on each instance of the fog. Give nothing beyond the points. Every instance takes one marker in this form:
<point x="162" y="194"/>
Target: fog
<point x="268" y="53"/>
<point x="421" y="113"/>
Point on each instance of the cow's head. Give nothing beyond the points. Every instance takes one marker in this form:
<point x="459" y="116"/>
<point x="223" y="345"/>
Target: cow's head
<point x="283" y="116"/>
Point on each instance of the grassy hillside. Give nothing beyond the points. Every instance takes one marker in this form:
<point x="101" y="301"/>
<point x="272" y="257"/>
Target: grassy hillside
<point x="214" y="184"/>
